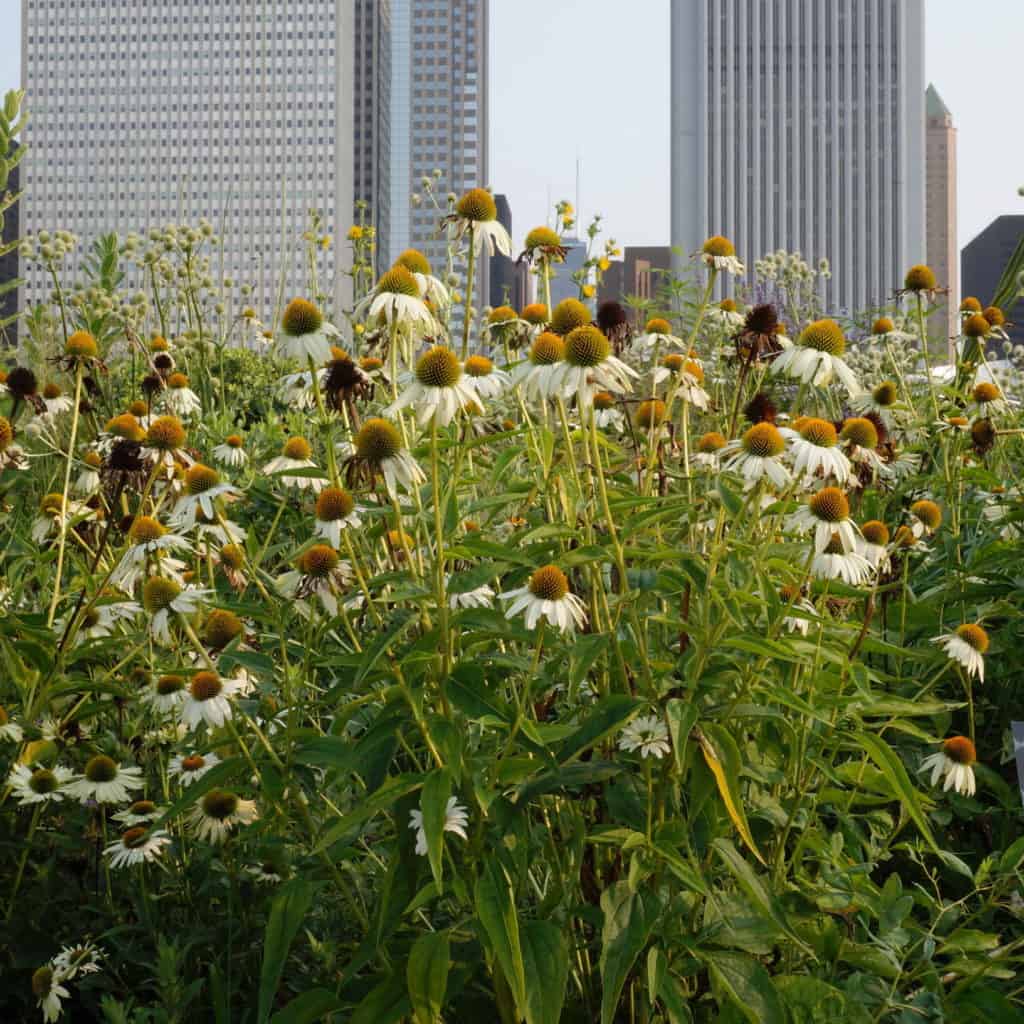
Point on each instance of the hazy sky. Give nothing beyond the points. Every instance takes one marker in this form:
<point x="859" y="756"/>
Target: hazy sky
<point x="589" y="79"/>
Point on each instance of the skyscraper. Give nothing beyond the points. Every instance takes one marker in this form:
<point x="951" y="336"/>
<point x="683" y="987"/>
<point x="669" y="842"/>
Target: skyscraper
<point x="438" y="114"/>
<point x="798" y="124"/>
<point x="10" y="264"/>
<point x="171" y="110"/>
<point x="983" y="261"/>
<point x="940" y="216"/>
<point x="371" y="122"/>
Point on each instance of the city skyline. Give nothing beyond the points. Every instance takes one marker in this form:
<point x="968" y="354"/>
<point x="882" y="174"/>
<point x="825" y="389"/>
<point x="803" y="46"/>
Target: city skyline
<point x="624" y="156"/>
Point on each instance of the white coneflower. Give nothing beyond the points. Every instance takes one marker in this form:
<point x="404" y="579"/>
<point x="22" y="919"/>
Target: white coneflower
<point x="136" y="846"/>
<point x="758" y="454"/>
<point x="180" y="398"/>
<point x="220" y="532"/>
<point x="10" y="732"/>
<point x="456" y="818"/>
<point x="657" y="334"/>
<point x="203" y="486"/>
<point x="689" y="376"/>
<point x="539" y="374"/>
<point x="55" y="401"/>
<point x="836" y="564"/>
<point x="990" y="400"/>
<point x="607" y="413"/>
<point x="208" y="699"/>
<point x="296" y="454"/>
<point x="504" y="326"/>
<point x="966" y="645"/>
<point x="814" y="450"/>
<point x="874" y="544"/>
<point x="378" y="445"/>
<point x="720" y="253"/>
<point x="189" y="768"/>
<point x="794" y="601"/>
<point x="882" y="400"/>
<point x="827" y="513"/>
<point x="47" y="523"/>
<point x="589" y="367"/>
<point x="431" y="288"/>
<point x="264" y="874"/>
<point x="140" y="813"/>
<point x="88" y="481"/>
<point x="335" y="511"/>
<point x="321" y="574"/>
<point x="925" y="517"/>
<point x="81" y="959"/>
<point x="166" y="694"/>
<point x="475" y="597"/>
<point x="105" y="781"/>
<point x="725" y="316"/>
<point x="648" y="734"/>
<point x="165" y="443"/>
<point x="38" y="785"/>
<point x="150" y="540"/>
<point x="477" y="214"/>
<point x="397" y="299"/>
<point x="296" y="389"/>
<point x="48" y="989"/>
<point x="816" y="357"/>
<point x="487" y="380"/>
<point x="218" y="813"/>
<point x="860" y="436"/>
<point x="304" y="334"/>
<point x="162" y="597"/>
<point x="547" y="595"/>
<point x="437" y="390"/>
<point x="231" y="453"/>
<point x="709" y="450"/>
<point x="955" y="763"/>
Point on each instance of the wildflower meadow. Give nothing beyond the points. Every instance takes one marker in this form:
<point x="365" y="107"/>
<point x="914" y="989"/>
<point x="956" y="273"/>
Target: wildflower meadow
<point x="648" y="661"/>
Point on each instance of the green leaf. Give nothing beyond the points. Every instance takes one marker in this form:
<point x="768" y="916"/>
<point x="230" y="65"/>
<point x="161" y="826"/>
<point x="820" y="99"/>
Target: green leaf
<point x="467" y="689"/>
<point x="682" y="716"/>
<point x="605" y="717"/>
<point x="426" y="974"/>
<point x="286" y="913"/>
<point x="495" y="907"/>
<point x="392" y="790"/>
<point x="546" y="962"/>
<point x="896" y="775"/>
<point x="309" y="1008"/>
<point x="765" y="901"/>
<point x="747" y="985"/>
<point x="372" y="653"/>
<point x="387" y="1003"/>
<point x="629" y="919"/>
<point x="434" y="807"/>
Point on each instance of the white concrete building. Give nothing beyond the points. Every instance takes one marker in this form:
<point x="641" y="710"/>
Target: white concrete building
<point x="147" y="112"/>
<point x="800" y="124"/>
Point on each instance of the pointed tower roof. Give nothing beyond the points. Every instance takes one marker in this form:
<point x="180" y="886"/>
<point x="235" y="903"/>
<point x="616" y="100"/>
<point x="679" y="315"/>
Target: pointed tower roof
<point x="934" y="106"/>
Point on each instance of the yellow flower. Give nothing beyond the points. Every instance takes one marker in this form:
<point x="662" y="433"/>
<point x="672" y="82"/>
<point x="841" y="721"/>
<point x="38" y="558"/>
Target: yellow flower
<point x="355" y="233"/>
<point x="588" y="291"/>
<point x="325" y="241"/>
<point x="604" y="263"/>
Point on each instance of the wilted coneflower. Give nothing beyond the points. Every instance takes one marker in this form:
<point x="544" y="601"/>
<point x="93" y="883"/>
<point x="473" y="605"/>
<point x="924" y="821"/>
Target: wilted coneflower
<point x="137" y="845"/>
<point x="954" y="763"/>
<point x="589" y="367"/>
<point x="189" y="768"/>
<point x="613" y="321"/>
<point x="319" y="573"/>
<point x="760" y="409"/>
<point x="647" y="734"/>
<point x="966" y="645"/>
<point x="295" y="454"/>
<point x="208" y="699"/>
<point x="430" y="287"/>
<point x="180" y="398"/>
<point x="378" y="449"/>
<point x="539" y="374"/>
<point x="335" y="511"/>
<point x="816" y="357"/>
<point x="983" y="435"/>
<point x="344" y="381"/>
<point x="720" y="254"/>
<point x="815" y="451"/>
<point x="105" y="781"/>
<point x="476" y="214"/>
<point x="758" y="454"/>
<point x="304" y="335"/>
<point x="39" y="785"/>
<point x="455" y="820"/>
<point x="437" y="390"/>
<point x="547" y="595"/>
<point x="231" y="452"/>
<point x="827" y="513"/>
<point x="219" y="813"/>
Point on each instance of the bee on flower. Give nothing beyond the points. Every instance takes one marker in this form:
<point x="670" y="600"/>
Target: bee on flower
<point x="966" y="645"/>
<point x="543" y="245"/>
<point x="954" y="763"/>
<point x="718" y="253"/>
<point x="547" y="595"/>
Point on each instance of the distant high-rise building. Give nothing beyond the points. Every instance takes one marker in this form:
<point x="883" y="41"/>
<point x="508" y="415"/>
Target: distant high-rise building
<point x="235" y="111"/>
<point x="438" y="115"/>
<point x="983" y="261"/>
<point x="940" y="214"/>
<point x="562" y="284"/>
<point x="372" y="116"/>
<point x="509" y="279"/>
<point x="637" y="274"/>
<point x="9" y="262"/>
<point x="798" y="124"/>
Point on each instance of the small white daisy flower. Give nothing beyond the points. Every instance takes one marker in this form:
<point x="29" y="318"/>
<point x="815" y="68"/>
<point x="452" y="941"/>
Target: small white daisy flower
<point x="189" y="768"/>
<point x="456" y="818"/>
<point x="648" y="734"/>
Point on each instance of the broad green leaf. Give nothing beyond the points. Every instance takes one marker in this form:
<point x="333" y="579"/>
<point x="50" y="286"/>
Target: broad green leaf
<point x="387" y="1003"/>
<point x="467" y="689"/>
<point x="605" y="717"/>
<point x="286" y="913"/>
<point x="682" y="716"/>
<point x="896" y="775"/>
<point x="629" y="919"/>
<point x="392" y="790"/>
<point x="426" y="974"/>
<point x="373" y="652"/>
<point x="434" y="805"/>
<point x="546" y="962"/>
<point x="309" y="1008"/>
<point x="743" y="981"/>
<point x="495" y="908"/>
<point x="723" y="758"/>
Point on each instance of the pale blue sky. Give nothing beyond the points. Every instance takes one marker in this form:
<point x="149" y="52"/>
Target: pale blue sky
<point x="589" y="79"/>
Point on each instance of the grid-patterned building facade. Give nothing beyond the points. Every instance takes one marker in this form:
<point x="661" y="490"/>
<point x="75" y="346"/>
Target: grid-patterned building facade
<point x="799" y="124"/>
<point x="438" y="113"/>
<point x="941" y="212"/>
<point x="170" y="110"/>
